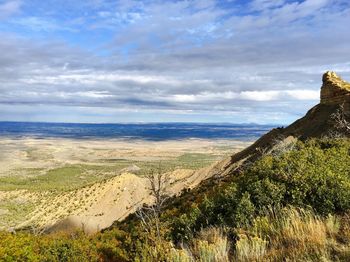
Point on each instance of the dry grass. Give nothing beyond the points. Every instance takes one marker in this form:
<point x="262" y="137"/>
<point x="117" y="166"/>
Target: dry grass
<point x="180" y="255"/>
<point x="210" y="246"/>
<point x="250" y="248"/>
<point x="296" y="235"/>
<point x="289" y="234"/>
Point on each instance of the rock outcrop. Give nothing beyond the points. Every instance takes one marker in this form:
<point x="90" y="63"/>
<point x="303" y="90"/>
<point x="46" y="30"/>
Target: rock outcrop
<point x="330" y="117"/>
<point x="335" y="91"/>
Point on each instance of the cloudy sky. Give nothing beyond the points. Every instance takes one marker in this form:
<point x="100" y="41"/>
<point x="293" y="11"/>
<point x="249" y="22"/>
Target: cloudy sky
<point x="154" y="61"/>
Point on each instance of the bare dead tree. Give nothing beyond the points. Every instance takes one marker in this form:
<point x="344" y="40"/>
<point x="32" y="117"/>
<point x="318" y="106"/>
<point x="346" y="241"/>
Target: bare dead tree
<point x="262" y="151"/>
<point x="37" y="230"/>
<point x="282" y="145"/>
<point x="340" y="119"/>
<point x="341" y="124"/>
<point x="159" y="182"/>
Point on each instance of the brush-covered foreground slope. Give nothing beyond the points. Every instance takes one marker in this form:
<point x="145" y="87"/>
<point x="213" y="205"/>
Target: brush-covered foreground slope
<point x="290" y="205"/>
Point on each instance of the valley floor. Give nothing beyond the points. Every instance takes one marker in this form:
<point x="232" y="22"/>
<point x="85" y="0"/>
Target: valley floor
<point x="45" y="180"/>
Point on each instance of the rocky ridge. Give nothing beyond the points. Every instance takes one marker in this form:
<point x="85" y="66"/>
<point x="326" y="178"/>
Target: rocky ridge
<point x="323" y="120"/>
<point x="335" y="91"/>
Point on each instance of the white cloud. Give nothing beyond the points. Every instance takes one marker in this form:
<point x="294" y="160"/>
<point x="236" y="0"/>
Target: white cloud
<point x="41" y="24"/>
<point x="304" y="94"/>
<point x="261" y="96"/>
<point x="260" y="5"/>
<point x="89" y="77"/>
<point x="9" y="8"/>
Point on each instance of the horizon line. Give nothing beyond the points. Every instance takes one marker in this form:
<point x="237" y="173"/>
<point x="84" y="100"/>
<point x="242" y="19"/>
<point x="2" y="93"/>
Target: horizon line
<point x="142" y="123"/>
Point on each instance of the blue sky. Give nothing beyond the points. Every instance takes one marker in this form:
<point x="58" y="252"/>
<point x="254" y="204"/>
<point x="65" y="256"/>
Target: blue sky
<point x="162" y="61"/>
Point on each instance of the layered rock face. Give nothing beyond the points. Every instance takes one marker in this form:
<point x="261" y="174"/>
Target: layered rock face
<point x="335" y="91"/>
<point x="320" y="121"/>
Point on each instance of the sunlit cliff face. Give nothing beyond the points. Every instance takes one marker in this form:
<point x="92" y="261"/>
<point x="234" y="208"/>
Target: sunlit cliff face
<point x="335" y="91"/>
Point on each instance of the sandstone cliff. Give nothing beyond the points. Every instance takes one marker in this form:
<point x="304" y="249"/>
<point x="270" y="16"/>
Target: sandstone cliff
<point x="335" y="91"/>
<point x="331" y="117"/>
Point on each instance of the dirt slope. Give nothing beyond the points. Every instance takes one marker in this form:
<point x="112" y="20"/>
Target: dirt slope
<point x="96" y="207"/>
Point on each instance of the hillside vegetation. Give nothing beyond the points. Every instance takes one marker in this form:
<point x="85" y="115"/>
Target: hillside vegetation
<point x="292" y="203"/>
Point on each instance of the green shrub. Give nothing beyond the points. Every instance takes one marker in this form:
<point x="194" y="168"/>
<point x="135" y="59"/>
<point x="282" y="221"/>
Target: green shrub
<point x="315" y="174"/>
<point x="56" y="247"/>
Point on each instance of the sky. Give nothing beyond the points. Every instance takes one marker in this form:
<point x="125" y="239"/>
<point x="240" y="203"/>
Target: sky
<point x="109" y="61"/>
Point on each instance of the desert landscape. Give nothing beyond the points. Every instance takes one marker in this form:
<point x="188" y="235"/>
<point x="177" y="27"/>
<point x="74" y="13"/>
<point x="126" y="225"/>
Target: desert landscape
<point x="94" y="182"/>
<point x="174" y="131"/>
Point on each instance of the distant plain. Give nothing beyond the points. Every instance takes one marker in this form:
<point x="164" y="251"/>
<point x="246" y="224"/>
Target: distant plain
<point x="35" y="169"/>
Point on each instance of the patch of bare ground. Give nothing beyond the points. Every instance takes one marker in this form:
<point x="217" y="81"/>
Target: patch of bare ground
<point x="96" y="207"/>
<point x="97" y="182"/>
